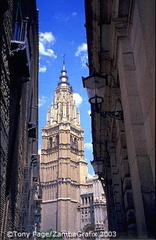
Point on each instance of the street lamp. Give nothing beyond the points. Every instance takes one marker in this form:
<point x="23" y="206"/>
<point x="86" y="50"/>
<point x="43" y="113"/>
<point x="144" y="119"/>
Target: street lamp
<point x="95" y="84"/>
<point x="98" y="166"/>
<point x="97" y="101"/>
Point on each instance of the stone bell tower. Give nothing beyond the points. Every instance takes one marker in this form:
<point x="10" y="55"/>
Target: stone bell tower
<point x="63" y="169"/>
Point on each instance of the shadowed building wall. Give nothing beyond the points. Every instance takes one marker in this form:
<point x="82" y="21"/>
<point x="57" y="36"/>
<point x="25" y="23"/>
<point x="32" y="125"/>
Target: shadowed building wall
<point x="120" y="37"/>
<point x="19" y="176"/>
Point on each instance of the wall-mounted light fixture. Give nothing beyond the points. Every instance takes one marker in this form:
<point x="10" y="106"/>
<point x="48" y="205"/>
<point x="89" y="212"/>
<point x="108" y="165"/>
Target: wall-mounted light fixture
<point x="97" y="102"/>
<point x="98" y="165"/>
<point x="95" y="84"/>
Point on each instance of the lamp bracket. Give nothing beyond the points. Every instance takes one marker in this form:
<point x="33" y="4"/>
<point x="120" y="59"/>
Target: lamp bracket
<point x="113" y="114"/>
<point x="20" y="47"/>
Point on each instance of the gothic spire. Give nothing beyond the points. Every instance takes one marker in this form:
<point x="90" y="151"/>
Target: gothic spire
<point x="63" y="77"/>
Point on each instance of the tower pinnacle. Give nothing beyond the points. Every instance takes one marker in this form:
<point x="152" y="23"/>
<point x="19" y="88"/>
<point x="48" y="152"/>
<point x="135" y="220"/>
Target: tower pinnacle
<point x="63" y="77"/>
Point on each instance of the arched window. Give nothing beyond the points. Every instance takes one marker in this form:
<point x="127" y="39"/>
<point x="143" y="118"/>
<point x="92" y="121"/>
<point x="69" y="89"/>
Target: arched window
<point x="57" y="140"/>
<point x="75" y="143"/>
<point x="50" y="142"/>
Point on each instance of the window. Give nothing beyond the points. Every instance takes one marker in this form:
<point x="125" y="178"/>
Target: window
<point x="20" y="27"/>
<point x="50" y="142"/>
<point x="57" y="140"/>
<point x="73" y="142"/>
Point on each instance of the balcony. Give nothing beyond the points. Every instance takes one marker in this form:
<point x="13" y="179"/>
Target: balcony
<point x="20" y="51"/>
<point x="20" y="58"/>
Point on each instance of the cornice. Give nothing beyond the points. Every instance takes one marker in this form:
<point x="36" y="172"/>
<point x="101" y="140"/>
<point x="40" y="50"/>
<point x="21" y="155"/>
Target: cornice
<point x="60" y="199"/>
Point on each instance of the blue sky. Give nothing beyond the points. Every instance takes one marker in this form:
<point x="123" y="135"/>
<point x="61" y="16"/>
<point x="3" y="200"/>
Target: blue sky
<point x="62" y="31"/>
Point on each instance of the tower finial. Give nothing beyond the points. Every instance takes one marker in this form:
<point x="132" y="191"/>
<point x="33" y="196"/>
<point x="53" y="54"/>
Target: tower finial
<point x="63" y="78"/>
<point x="64" y="59"/>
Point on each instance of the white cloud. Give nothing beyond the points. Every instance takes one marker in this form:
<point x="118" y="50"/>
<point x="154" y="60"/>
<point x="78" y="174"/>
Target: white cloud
<point x="78" y="99"/>
<point x="42" y="69"/>
<point x="42" y="101"/>
<point x="46" y="40"/>
<point x="46" y="51"/>
<point x="89" y="112"/>
<point x="82" y="53"/>
<point x="47" y="37"/>
<point x="80" y="49"/>
<point x="88" y="146"/>
<point x="84" y="60"/>
<point x="74" y="14"/>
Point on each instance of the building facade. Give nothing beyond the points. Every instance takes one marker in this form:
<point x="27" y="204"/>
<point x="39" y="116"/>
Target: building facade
<point x="19" y="179"/>
<point x="92" y="210"/>
<point x="63" y="168"/>
<point x="120" y="86"/>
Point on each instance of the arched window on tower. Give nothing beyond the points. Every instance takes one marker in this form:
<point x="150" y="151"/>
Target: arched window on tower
<point x="57" y="140"/>
<point x="75" y="143"/>
<point x="50" y="142"/>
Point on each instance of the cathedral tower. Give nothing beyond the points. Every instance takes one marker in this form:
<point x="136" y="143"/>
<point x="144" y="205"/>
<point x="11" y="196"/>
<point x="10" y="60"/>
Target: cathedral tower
<point x="63" y="169"/>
